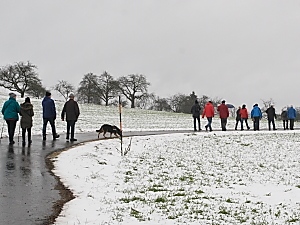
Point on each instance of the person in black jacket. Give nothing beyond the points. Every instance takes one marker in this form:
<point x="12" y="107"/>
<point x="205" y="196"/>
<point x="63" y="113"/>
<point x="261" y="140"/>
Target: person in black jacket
<point x="271" y="117"/>
<point x="238" y="118"/>
<point x="195" y="110"/>
<point x="72" y="112"/>
<point x="285" y="119"/>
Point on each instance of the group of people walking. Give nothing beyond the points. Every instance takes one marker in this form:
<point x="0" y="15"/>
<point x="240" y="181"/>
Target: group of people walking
<point x="12" y="109"/>
<point x="288" y="116"/>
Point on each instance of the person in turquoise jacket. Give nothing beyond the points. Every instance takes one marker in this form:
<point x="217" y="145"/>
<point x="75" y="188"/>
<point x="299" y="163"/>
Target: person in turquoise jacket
<point x="256" y="116"/>
<point x="291" y="115"/>
<point x="10" y="111"/>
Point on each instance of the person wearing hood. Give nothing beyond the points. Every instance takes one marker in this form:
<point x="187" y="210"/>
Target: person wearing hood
<point x="209" y="112"/>
<point x="256" y="116"/>
<point x="291" y="114"/>
<point x="284" y="118"/>
<point x="26" y="113"/>
<point x="195" y="110"/>
<point x="49" y="115"/>
<point x="71" y="110"/>
<point x="10" y="111"/>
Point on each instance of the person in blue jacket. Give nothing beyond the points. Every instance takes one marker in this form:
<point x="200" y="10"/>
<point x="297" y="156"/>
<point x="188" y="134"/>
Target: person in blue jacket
<point x="49" y="115"/>
<point x="256" y="116"/>
<point x="291" y="115"/>
<point x="10" y="111"/>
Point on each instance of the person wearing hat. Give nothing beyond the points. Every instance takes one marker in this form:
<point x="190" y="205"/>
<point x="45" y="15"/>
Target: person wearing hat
<point x="10" y="111"/>
<point x="49" y="115"/>
<point x="195" y="110"/>
<point x="26" y="113"/>
<point x="71" y="112"/>
<point x="224" y="114"/>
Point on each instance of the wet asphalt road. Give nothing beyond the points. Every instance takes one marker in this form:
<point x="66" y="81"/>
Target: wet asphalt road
<point x="27" y="188"/>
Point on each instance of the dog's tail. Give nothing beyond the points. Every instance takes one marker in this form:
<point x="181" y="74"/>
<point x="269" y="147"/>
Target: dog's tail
<point x="97" y="130"/>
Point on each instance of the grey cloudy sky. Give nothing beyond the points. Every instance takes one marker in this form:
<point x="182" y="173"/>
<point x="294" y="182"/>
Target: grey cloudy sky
<point x="242" y="51"/>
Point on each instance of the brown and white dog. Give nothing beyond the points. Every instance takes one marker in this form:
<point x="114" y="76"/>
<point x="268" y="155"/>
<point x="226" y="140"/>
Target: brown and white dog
<point x="112" y="129"/>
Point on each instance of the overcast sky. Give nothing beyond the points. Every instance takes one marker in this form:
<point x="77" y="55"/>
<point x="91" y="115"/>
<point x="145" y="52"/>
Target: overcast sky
<point x="242" y="51"/>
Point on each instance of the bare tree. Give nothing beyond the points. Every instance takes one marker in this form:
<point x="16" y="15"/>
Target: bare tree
<point x="133" y="87"/>
<point x="88" y="90"/>
<point x="19" y="77"/>
<point x="36" y="90"/>
<point x="107" y="86"/>
<point x="64" y="88"/>
<point x="266" y="104"/>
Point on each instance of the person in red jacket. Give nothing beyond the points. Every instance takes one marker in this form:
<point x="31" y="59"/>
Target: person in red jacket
<point x="244" y="117"/>
<point x="224" y="114"/>
<point x="209" y="112"/>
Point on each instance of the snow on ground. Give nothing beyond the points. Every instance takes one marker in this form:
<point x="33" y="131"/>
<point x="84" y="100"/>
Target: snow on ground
<point x="197" y="178"/>
<point x="229" y="177"/>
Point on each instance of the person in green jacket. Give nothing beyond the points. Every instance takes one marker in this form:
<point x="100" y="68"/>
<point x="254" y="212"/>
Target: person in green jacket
<point x="10" y="111"/>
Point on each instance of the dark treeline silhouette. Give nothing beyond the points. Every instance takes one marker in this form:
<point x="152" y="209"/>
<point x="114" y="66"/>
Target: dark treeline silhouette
<point x="104" y="89"/>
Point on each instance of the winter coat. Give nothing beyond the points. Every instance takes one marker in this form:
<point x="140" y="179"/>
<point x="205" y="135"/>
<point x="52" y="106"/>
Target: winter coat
<point x="209" y="110"/>
<point x="256" y="112"/>
<point x="238" y="115"/>
<point x="271" y="113"/>
<point x="27" y="113"/>
<point x="49" y="110"/>
<point x="284" y="115"/>
<point x="291" y="113"/>
<point x="223" y="110"/>
<point x="71" y="110"/>
<point x="10" y="109"/>
<point x="195" y="110"/>
<point x="244" y="113"/>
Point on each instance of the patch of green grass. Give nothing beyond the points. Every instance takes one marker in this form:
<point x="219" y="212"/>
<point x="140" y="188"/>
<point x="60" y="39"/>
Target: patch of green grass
<point x="134" y="198"/>
<point x="180" y="194"/>
<point x="223" y="211"/>
<point x="199" y="192"/>
<point x="160" y="200"/>
<point x="135" y="213"/>
<point x="229" y="200"/>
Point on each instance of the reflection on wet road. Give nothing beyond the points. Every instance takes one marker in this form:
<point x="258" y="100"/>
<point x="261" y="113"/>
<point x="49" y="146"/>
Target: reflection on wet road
<point x="27" y="189"/>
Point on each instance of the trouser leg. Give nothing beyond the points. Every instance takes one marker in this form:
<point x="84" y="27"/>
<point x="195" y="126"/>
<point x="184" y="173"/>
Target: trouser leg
<point x="23" y="134"/>
<point x="52" y="123"/>
<point x="45" y="121"/>
<point x="292" y="124"/>
<point x="199" y="125"/>
<point x="209" y="119"/>
<point x="11" y="126"/>
<point x="72" y="126"/>
<point x="29" y="134"/>
<point x="68" y="129"/>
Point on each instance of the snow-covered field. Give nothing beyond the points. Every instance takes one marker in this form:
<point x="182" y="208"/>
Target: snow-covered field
<point x="229" y="177"/>
<point x="197" y="178"/>
<point x="93" y="116"/>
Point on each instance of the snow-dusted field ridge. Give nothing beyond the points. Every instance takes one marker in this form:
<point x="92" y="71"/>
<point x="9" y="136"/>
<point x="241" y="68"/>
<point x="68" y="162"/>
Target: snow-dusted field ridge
<point x="197" y="178"/>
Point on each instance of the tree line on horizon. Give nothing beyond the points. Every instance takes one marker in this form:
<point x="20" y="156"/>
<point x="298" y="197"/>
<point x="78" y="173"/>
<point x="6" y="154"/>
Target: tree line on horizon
<point x="105" y="90"/>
